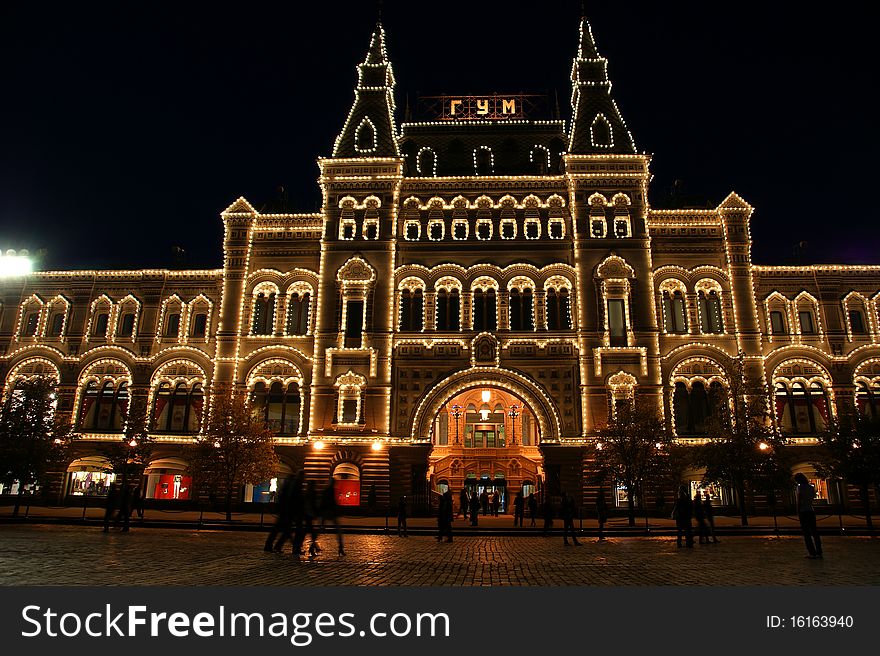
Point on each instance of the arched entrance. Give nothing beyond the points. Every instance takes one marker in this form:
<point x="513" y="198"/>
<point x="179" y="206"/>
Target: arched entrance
<point x="485" y="440"/>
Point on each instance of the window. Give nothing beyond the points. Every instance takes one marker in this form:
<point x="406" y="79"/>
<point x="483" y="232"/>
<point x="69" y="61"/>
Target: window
<point x="30" y="324"/>
<point x="556" y="228"/>
<point x="868" y="401"/>
<point x="674" y="316"/>
<point x="347" y="229"/>
<point x="371" y="229"/>
<point x="103" y="408"/>
<point x="264" y="314"/>
<point x="298" y="314"/>
<point x="617" y="322"/>
<point x="521" y="317"/>
<point x="172" y="325"/>
<point x="484" y="229"/>
<point x="801" y="409"/>
<point x="354" y="323"/>
<point x="460" y="229"/>
<point x="508" y="228"/>
<point x="533" y="228"/>
<point x="710" y="312"/>
<point x="448" y="309"/>
<point x="558" y="314"/>
<point x="178" y="410"/>
<point x="777" y="323"/>
<point x="56" y="324"/>
<point x="101" y="325"/>
<point x="805" y="318"/>
<point x="278" y="406"/>
<point x="857" y="322"/>
<point x="597" y="227"/>
<point x="349" y="411"/>
<point x="435" y="230"/>
<point x="621" y="227"/>
<point x="411" y="305"/>
<point x="200" y="325"/>
<point x="365" y="137"/>
<point x="485" y="317"/>
<point x="412" y="231"/>
<point x="483" y="163"/>
<point x="126" y="325"/>
<point x="427" y="162"/>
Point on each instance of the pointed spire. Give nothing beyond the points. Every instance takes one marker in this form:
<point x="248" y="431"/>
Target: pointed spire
<point x="369" y="130"/>
<point x="597" y="125"/>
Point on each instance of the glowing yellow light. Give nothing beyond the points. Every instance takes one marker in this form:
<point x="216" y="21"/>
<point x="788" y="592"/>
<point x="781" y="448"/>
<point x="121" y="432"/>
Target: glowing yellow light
<point x="318" y="445"/>
<point x="763" y="446"/>
<point x="376" y="446"/>
<point x="486" y="395"/>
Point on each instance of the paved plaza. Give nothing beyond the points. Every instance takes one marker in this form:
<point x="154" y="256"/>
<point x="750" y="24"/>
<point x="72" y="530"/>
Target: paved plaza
<point x="83" y="555"/>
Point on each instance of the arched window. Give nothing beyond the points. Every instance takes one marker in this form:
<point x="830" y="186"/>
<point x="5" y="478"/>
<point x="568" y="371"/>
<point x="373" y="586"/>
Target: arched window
<point x="56" y="325"/>
<point x="278" y="406"/>
<point x="521" y="304"/>
<point x="298" y="314"/>
<point x="427" y="162"/>
<point x="126" y="325"/>
<point x="674" y="314"/>
<point x="178" y="410"/>
<point x="600" y="132"/>
<point x="711" y="317"/>
<point x="681" y="405"/>
<point x="448" y="310"/>
<point x="558" y="310"/>
<point x="199" y="324"/>
<point x="172" y="324"/>
<point x="264" y="314"/>
<point x="365" y="138"/>
<point x="411" y="304"/>
<point x="801" y="409"/>
<point x="483" y="161"/>
<point x="103" y="406"/>
<point x="31" y="322"/>
<point x="485" y="316"/>
<point x="100" y="326"/>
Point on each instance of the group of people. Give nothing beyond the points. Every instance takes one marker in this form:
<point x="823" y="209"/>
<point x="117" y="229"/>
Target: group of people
<point x="699" y="508"/>
<point x="121" y="502"/>
<point x="300" y="508"/>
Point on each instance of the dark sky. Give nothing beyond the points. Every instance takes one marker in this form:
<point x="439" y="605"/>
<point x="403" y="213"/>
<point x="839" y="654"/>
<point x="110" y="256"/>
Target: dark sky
<point x="127" y="127"/>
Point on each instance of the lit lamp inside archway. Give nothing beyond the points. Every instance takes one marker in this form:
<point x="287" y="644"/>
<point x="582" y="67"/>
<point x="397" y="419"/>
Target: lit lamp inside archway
<point x="485" y="396"/>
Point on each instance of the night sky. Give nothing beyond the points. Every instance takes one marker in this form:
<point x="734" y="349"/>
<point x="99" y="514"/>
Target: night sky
<point x="128" y="127"/>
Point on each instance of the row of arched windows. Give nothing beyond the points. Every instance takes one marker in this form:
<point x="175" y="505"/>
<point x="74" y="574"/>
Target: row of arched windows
<point x="675" y="315"/>
<point x="298" y="313"/>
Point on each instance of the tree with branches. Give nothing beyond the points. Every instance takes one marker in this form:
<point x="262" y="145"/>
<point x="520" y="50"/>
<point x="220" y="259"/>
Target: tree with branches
<point x="34" y="440"/>
<point x="629" y="450"/>
<point x="130" y="456"/>
<point x="234" y="449"/>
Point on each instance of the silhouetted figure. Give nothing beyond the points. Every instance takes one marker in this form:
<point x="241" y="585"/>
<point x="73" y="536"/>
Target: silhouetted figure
<point x="484" y="502"/>
<point x="568" y="511"/>
<point x="129" y="499"/>
<point x="700" y="516"/>
<point x="548" y="515"/>
<point x="519" y="508"/>
<point x="310" y="513"/>
<point x="496" y="503"/>
<point x="330" y="512"/>
<point x="292" y="529"/>
<point x="709" y="512"/>
<point x="138" y="502"/>
<point x="601" y="512"/>
<point x="111" y="505"/>
<point x="681" y="513"/>
<point x="371" y="499"/>
<point x="463" y="502"/>
<point x="401" y="516"/>
<point x="533" y="508"/>
<point x="806" y="493"/>
<point x="445" y="513"/>
<point x="475" y="509"/>
<point x="282" y="518"/>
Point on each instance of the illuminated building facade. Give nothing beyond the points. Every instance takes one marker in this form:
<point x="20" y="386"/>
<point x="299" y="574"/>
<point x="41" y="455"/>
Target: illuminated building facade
<point x="477" y="292"/>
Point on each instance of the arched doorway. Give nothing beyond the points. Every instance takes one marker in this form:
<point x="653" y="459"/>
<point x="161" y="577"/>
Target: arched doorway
<point x="485" y="440"/>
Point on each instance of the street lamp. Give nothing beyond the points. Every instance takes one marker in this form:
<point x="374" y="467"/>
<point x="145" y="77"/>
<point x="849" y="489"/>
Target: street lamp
<point x="513" y="413"/>
<point x="456" y="415"/>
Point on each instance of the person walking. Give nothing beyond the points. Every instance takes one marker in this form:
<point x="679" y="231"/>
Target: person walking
<point x="568" y="510"/>
<point x="709" y="512"/>
<point x="601" y="512"/>
<point x="533" y="508"/>
<point x="681" y="513"/>
<point x="518" y="510"/>
<point x="484" y="502"/>
<point x="401" y="516"/>
<point x="111" y="505"/>
<point x="700" y="516"/>
<point x="329" y="510"/>
<point x="806" y="493"/>
<point x="450" y="514"/>
<point x="371" y="499"/>
<point x="463" y="502"/>
<point x="496" y="503"/>
<point x="293" y="528"/>
<point x="282" y="518"/>
<point x="474" y="508"/>
<point x="310" y="513"/>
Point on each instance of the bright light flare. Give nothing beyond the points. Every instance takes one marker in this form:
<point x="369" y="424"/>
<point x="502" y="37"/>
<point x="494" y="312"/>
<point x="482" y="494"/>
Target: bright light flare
<point x="12" y="265"/>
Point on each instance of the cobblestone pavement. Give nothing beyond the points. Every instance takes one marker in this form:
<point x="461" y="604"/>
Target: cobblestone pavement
<point x="66" y="555"/>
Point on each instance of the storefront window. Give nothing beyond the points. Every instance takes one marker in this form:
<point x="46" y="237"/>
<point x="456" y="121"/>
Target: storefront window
<point x="90" y="483"/>
<point x="263" y="493"/>
<point x="347" y="484"/>
<point x="169" y="484"/>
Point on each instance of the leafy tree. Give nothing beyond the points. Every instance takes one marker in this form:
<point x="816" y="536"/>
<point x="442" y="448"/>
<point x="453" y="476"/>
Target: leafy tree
<point x="630" y="450"/>
<point x="852" y="454"/>
<point x="742" y="438"/>
<point x="234" y="449"/>
<point x="130" y="456"/>
<point x="34" y="440"/>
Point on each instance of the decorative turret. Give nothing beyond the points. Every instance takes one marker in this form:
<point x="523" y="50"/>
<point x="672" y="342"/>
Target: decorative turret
<point x="369" y="130"/>
<point x="597" y="126"/>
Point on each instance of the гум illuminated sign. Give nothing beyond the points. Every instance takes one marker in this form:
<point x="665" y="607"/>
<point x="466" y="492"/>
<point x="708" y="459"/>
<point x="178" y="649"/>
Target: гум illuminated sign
<point x="494" y="107"/>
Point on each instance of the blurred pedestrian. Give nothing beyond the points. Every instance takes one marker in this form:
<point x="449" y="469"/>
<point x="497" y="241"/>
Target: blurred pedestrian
<point x="310" y="514"/>
<point x="445" y="514"/>
<point x="806" y="493"/>
<point x="709" y="512"/>
<point x="681" y="513"/>
<point x="329" y="510"/>
<point x="484" y="502"/>
<point x="463" y="502"/>
<point x="601" y="512"/>
<point x="371" y="499"/>
<point x="401" y="516"/>
<point x="111" y="505"/>
<point x="700" y="516"/>
<point x="496" y="503"/>
<point x="533" y="508"/>
<point x="568" y="511"/>
<point x="292" y="524"/>
<point x="282" y="517"/>
<point x="474" y="508"/>
<point x="518" y="509"/>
